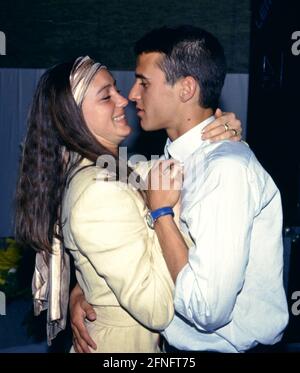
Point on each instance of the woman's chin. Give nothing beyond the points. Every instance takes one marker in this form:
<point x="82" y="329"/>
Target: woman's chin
<point x="125" y="133"/>
<point x="127" y="130"/>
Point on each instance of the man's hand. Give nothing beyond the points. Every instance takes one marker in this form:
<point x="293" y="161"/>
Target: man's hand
<point x="225" y="127"/>
<point x="79" y="310"/>
<point x="164" y="184"/>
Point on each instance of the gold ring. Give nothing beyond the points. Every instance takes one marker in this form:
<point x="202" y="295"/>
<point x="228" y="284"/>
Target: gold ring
<point x="234" y="131"/>
<point x="226" y="127"/>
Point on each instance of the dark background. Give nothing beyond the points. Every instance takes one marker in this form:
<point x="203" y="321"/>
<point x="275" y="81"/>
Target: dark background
<point x="273" y="110"/>
<point x="274" y="124"/>
<point x="42" y="33"/>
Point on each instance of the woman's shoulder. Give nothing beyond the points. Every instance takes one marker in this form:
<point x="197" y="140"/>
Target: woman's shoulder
<point x="95" y="183"/>
<point x="81" y="179"/>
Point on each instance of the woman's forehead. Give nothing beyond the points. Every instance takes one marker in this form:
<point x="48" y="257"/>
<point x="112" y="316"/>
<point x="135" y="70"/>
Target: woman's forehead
<point x="101" y="79"/>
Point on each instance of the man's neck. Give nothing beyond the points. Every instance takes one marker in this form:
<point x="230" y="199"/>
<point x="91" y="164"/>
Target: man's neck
<point x="188" y="122"/>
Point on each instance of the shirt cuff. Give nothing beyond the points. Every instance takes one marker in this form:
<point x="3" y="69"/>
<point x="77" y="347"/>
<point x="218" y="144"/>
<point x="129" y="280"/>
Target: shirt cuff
<point x="183" y="292"/>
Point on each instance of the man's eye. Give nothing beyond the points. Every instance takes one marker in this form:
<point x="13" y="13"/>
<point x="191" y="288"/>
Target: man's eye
<point x="143" y="84"/>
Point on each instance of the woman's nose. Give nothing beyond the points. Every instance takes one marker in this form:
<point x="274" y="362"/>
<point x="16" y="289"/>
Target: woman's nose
<point x="122" y="101"/>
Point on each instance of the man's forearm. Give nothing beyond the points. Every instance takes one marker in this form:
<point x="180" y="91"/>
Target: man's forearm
<point x="175" y="250"/>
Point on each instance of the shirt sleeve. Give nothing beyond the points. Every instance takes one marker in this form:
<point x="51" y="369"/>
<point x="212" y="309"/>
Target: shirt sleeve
<point x="110" y="231"/>
<point x="220" y="222"/>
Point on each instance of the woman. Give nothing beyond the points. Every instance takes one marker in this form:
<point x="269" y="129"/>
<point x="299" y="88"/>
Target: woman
<point x="76" y="117"/>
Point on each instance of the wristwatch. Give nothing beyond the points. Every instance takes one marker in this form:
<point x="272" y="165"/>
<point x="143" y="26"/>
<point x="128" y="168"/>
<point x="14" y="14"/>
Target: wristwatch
<point x="152" y="216"/>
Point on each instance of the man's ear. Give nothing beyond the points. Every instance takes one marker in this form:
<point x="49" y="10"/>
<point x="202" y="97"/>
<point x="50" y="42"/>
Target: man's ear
<point x="188" y="88"/>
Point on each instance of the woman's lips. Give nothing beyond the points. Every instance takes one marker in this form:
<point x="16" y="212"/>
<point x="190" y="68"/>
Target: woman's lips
<point x="119" y="118"/>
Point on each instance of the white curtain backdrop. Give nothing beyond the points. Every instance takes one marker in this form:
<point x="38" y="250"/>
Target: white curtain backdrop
<point x="16" y="91"/>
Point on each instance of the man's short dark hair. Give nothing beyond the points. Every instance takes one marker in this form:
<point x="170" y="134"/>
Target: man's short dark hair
<point x="189" y="51"/>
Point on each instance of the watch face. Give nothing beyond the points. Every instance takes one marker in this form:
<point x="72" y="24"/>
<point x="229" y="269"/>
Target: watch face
<point x="149" y="220"/>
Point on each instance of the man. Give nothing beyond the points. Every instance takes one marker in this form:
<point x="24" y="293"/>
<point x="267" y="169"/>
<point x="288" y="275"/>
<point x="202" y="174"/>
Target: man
<point x="229" y="291"/>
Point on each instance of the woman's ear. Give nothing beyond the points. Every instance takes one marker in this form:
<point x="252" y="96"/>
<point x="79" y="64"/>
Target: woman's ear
<point x="188" y="88"/>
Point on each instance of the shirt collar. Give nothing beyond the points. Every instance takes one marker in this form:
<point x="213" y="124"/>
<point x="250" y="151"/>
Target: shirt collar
<point x="185" y="145"/>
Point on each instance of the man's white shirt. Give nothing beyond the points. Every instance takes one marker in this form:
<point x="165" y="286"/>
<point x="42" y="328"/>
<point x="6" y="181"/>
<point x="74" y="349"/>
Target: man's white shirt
<point x="230" y="295"/>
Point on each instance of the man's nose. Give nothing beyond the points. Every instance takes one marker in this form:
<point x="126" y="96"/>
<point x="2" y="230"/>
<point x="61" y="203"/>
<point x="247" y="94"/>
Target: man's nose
<point x="134" y="94"/>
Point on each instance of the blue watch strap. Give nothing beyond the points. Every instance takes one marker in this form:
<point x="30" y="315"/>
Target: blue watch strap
<point x="155" y="214"/>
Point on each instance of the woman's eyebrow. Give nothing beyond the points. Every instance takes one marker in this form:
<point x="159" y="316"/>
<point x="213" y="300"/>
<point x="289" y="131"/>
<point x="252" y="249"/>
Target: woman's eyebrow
<point x="106" y="86"/>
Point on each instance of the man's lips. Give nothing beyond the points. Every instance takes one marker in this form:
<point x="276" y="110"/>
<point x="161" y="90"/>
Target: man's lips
<point x="140" y="111"/>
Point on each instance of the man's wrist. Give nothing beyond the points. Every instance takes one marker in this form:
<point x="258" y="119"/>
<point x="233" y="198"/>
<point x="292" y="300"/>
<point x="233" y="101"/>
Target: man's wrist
<point x="157" y="214"/>
<point x="162" y="211"/>
<point x="163" y="220"/>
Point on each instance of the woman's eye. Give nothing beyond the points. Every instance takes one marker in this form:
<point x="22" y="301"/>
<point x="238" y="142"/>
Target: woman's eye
<point x="106" y="98"/>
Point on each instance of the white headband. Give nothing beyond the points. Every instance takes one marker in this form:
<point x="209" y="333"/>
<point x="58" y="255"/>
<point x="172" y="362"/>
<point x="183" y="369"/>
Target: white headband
<point x="83" y="71"/>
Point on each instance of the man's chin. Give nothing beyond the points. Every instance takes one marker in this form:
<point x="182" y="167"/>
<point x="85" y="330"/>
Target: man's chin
<point x="145" y="127"/>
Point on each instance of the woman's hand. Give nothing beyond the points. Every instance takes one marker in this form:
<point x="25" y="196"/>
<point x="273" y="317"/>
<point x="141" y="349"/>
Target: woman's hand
<point x="226" y="126"/>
